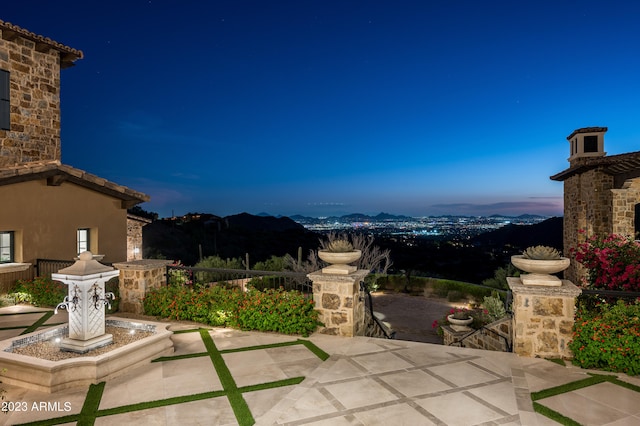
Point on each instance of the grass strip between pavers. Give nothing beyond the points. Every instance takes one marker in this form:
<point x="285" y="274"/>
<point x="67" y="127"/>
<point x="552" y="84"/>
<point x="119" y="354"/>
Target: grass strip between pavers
<point x="33" y="327"/>
<point x="308" y="344"/>
<point x="87" y="415"/>
<point x="238" y="404"/>
<point x="90" y="409"/>
<point x="176" y="357"/>
<point x="23" y="313"/>
<point x="554" y="415"/>
<point x="569" y="387"/>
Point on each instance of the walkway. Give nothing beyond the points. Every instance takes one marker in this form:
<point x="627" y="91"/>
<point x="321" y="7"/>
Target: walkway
<point x="228" y="377"/>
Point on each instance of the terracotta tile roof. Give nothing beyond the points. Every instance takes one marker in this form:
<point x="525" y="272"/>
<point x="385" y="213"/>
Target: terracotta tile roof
<point x="57" y="173"/>
<point x="68" y="55"/>
<point x="621" y="166"/>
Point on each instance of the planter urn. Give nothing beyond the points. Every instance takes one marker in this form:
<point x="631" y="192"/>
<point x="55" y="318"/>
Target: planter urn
<point x="539" y="271"/>
<point x="339" y="261"/>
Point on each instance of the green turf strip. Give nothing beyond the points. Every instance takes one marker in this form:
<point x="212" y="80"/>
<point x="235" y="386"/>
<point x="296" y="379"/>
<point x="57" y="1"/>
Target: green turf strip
<point x="175" y="357"/>
<point x="568" y="387"/>
<point x="554" y="415"/>
<point x="240" y="408"/>
<point x="33" y="327"/>
<point x="558" y="390"/>
<point x="238" y="404"/>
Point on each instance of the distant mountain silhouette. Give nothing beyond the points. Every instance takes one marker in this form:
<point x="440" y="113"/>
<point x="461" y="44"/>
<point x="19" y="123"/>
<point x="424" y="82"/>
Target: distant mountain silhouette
<point x="545" y="233"/>
<point x="228" y="237"/>
<point x="263" y="236"/>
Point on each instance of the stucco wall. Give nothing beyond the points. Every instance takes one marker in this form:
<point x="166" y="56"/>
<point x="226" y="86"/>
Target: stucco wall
<point x="35" y="103"/>
<point x="46" y="218"/>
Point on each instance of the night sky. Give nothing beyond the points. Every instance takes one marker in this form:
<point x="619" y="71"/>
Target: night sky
<point x="335" y="106"/>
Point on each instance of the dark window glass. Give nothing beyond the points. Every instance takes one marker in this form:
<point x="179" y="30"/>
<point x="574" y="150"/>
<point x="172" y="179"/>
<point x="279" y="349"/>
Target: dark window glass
<point x="591" y="144"/>
<point x="83" y="240"/>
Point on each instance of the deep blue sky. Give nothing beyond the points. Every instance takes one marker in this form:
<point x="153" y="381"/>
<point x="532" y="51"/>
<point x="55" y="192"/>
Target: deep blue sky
<point x="337" y="106"/>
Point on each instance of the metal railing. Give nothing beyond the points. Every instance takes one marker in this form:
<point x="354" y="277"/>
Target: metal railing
<point x="46" y="267"/>
<point x="484" y="330"/>
<point x="373" y="327"/>
<point x="241" y="278"/>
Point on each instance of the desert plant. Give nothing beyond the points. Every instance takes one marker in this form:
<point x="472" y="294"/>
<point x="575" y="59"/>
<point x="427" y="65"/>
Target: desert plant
<point x="338" y="246"/>
<point x="494" y="307"/>
<point x="541" y="253"/>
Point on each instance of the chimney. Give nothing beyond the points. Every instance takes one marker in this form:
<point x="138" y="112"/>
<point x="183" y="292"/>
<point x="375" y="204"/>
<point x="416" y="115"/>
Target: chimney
<point x="587" y="142"/>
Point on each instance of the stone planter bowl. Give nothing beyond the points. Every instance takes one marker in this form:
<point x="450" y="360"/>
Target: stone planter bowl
<point x="339" y="258"/>
<point x="537" y="266"/>
<point x="339" y="261"/>
<point x="459" y="324"/>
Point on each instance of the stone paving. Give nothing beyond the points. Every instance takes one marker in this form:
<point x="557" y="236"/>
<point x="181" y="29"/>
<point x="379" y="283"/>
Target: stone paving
<point x="363" y="381"/>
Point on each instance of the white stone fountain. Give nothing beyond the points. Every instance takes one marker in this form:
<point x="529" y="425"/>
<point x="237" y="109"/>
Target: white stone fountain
<point x="85" y="303"/>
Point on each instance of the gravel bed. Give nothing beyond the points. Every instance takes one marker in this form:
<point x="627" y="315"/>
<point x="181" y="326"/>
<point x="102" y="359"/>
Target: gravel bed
<point x="52" y="352"/>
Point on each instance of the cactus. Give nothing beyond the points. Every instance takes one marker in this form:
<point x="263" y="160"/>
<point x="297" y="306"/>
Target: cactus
<point x="339" y="246"/>
<point x="541" y="253"/>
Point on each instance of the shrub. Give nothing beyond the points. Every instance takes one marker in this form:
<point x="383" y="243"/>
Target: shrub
<point x="613" y="262"/>
<point x="287" y="312"/>
<point x="281" y="311"/>
<point x="494" y="307"/>
<point x="40" y="291"/>
<point x="608" y="338"/>
<point x="179" y="276"/>
<point x="274" y="263"/>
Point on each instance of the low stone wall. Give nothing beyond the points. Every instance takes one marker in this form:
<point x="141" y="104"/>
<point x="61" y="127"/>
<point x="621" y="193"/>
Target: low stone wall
<point x="136" y="278"/>
<point x="499" y="338"/>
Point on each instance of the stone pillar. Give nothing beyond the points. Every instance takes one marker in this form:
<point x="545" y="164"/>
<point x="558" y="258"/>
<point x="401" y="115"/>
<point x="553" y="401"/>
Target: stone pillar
<point x="136" y="278"/>
<point x="338" y="298"/>
<point x="543" y="318"/>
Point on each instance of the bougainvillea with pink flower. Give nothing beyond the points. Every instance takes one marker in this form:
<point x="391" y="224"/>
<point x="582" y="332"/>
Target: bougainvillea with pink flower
<point x="613" y="262"/>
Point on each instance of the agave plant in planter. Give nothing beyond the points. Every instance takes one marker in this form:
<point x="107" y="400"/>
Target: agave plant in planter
<point x="540" y="262"/>
<point x="339" y="254"/>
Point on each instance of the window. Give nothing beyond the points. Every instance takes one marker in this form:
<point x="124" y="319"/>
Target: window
<point x="591" y="143"/>
<point x="6" y="246"/>
<point x="83" y="240"/>
<point x="5" y="110"/>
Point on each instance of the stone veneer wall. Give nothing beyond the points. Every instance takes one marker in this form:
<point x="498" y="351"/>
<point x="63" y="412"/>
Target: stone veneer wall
<point x="136" y="278"/>
<point x="134" y="236"/>
<point x="483" y="339"/>
<point x="35" y="103"/>
<point x="543" y="319"/>
<point x="624" y="201"/>
<point x="587" y="206"/>
<point x="337" y="298"/>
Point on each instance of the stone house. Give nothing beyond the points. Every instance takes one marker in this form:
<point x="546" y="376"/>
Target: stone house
<point x="48" y="209"/>
<point x="601" y="193"/>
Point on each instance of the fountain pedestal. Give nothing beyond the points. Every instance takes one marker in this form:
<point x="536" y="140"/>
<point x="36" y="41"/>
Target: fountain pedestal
<point x="85" y="303"/>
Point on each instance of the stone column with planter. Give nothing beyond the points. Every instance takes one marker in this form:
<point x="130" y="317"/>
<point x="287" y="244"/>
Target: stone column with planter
<point x="338" y="299"/>
<point x="543" y="308"/>
<point x="136" y="278"/>
<point x="336" y="292"/>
